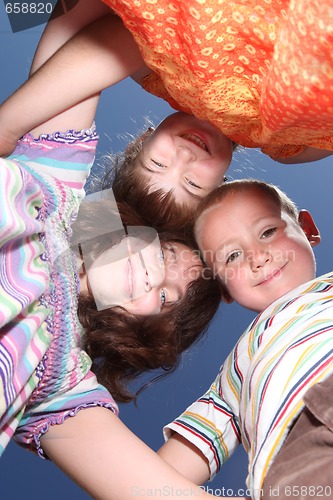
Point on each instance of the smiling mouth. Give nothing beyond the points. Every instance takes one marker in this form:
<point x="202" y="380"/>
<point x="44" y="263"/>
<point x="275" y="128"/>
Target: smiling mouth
<point x="196" y="140"/>
<point x="271" y="276"/>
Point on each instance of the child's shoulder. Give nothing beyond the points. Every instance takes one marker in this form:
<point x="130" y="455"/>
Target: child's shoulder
<point x="64" y="156"/>
<point x="306" y="297"/>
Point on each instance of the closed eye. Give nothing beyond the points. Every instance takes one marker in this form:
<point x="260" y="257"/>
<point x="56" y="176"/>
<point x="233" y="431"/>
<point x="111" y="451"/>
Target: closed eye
<point x="191" y="183"/>
<point x="158" y="164"/>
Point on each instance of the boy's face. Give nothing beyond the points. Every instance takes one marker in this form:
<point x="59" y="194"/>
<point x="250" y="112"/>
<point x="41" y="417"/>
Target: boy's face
<point x="258" y="252"/>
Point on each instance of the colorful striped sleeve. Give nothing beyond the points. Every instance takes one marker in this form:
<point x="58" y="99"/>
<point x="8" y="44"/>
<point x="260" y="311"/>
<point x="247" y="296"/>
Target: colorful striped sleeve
<point x="54" y="410"/>
<point x="211" y="424"/>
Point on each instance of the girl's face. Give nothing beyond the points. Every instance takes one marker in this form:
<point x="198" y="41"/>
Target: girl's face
<point x="143" y="278"/>
<point x="186" y="155"/>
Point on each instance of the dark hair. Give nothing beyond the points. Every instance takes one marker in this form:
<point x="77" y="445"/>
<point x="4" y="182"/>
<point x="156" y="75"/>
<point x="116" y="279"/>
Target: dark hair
<point x="123" y="345"/>
<point x="158" y="208"/>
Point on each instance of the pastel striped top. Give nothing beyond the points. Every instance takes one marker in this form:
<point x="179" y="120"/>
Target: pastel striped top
<point x="258" y="392"/>
<point x="44" y="374"/>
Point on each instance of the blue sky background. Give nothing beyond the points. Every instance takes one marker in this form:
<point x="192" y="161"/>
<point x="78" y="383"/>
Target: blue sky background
<point x="122" y="110"/>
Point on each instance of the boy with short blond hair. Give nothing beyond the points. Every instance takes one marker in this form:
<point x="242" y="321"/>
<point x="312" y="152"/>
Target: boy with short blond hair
<point x="260" y="247"/>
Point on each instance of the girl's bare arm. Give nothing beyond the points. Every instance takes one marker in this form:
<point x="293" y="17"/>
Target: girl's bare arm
<point x="107" y="460"/>
<point x="71" y="80"/>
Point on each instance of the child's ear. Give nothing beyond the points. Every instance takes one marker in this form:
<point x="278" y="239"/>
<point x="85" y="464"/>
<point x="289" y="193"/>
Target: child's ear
<point x="309" y="227"/>
<point x="146" y="134"/>
<point x="139" y="140"/>
<point x="226" y="297"/>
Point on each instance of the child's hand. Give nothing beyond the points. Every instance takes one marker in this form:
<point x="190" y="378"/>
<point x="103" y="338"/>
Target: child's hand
<point x="7" y="146"/>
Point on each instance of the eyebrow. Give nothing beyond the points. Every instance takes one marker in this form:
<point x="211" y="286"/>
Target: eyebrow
<point x="145" y="167"/>
<point x="179" y="296"/>
<point x="167" y="246"/>
<point x="192" y="195"/>
<point x="224" y="244"/>
<point x="179" y="291"/>
<point x="200" y="266"/>
<point x="219" y="248"/>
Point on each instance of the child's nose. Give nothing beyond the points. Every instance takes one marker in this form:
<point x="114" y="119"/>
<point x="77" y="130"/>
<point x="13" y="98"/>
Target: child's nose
<point x="173" y="293"/>
<point x="172" y="284"/>
<point x="153" y="300"/>
<point x="259" y="258"/>
<point x="155" y="273"/>
<point x="185" y="155"/>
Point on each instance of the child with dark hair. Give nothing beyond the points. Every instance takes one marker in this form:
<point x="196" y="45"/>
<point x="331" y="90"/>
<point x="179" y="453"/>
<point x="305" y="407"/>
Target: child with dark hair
<point x="135" y="321"/>
<point x="175" y="311"/>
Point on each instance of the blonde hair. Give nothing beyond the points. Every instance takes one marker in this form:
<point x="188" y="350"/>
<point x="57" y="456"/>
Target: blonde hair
<point x="234" y="187"/>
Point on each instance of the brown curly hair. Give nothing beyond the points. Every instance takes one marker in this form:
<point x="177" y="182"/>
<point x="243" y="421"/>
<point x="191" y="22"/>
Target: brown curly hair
<point x="124" y="345"/>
